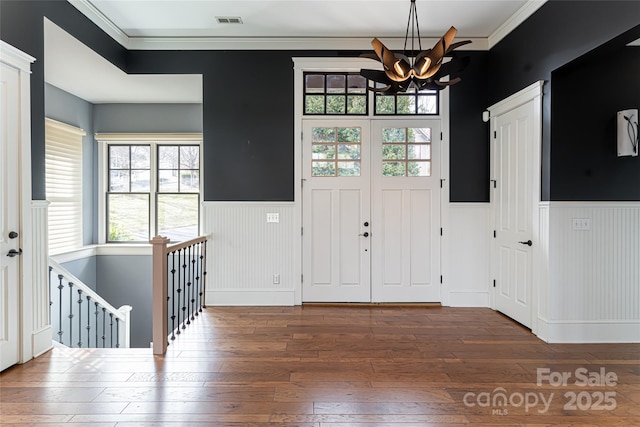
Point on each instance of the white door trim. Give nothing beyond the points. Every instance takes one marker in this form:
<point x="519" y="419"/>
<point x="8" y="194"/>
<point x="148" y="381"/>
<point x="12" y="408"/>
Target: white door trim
<point x="20" y="60"/>
<point x="301" y="65"/>
<point x="532" y="93"/>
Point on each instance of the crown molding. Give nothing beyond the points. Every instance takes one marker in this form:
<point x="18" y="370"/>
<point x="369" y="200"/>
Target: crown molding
<point x="279" y="43"/>
<point x="516" y="19"/>
<point x="98" y="18"/>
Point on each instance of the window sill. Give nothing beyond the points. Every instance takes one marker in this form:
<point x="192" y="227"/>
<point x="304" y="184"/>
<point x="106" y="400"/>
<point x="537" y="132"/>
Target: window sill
<point x="105" y="250"/>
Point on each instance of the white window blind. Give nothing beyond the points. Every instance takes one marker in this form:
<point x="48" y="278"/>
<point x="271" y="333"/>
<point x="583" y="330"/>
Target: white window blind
<point x="63" y="158"/>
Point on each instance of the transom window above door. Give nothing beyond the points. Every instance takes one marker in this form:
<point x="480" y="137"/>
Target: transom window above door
<point x="406" y="151"/>
<point x="336" y="151"/>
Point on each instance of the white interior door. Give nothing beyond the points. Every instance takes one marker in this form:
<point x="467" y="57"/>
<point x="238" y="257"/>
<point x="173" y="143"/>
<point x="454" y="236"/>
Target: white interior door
<point x="336" y="198"/>
<point x="406" y="210"/>
<point x="9" y="216"/>
<point x="514" y="158"/>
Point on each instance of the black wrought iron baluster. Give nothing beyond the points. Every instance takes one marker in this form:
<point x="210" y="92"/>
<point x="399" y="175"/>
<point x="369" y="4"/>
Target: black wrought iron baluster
<point x="97" y="323"/>
<point x="111" y="330"/>
<point x="193" y="281"/>
<point x="88" y="321"/>
<point x="79" y="318"/>
<point x="173" y="295"/>
<point x="104" y="321"/>
<point x="184" y="288"/>
<point x="204" y="275"/>
<point x="117" y="333"/>
<point x="70" y="314"/>
<point x="198" y="272"/>
<point x="188" y="261"/>
<point x="179" y="291"/>
<point x="60" y="288"/>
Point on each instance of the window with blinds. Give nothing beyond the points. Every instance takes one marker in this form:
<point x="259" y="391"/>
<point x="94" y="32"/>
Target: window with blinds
<point x="63" y="158"/>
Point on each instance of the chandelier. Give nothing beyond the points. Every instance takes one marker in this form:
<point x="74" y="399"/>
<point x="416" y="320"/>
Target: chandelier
<point x="422" y="69"/>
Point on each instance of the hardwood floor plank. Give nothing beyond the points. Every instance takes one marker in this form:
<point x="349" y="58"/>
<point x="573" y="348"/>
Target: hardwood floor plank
<point x="321" y="366"/>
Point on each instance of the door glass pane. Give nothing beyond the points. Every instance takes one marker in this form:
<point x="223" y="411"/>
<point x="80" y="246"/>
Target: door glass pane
<point x="422" y="151"/>
<point x="427" y="104"/>
<point x="393" y="169"/>
<point x="419" y="135"/>
<point x="349" y="151"/>
<point x="348" y="168"/>
<point x="323" y="135"/>
<point x="394" y="135"/>
<point x="419" y="168"/>
<point x="356" y="84"/>
<point x="314" y="104"/>
<point x="322" y="151"/>
<point x="348" y="134"/>
<point x="385" y="104"/>
<point x="356" y="104"/>
<point x="406" y="104"/>
<point x="323" y="169"/>
<point x="394" y="152"/>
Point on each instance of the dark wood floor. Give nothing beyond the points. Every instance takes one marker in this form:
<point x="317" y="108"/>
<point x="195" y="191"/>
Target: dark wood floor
<point x="331" y="366"/>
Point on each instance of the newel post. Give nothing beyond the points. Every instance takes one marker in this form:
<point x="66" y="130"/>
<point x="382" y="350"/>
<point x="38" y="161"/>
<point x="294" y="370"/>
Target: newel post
<point x="159" y="286"/>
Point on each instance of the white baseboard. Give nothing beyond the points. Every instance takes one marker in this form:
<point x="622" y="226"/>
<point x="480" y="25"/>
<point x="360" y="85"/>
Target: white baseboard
<point x="579" y="332"/>
<point x="468" y="299"/>
<point x="42" y="341"/>
<point x="248" y="297"/>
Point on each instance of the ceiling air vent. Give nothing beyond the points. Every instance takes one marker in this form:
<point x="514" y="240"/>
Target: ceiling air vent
<point x="229" y="20"/>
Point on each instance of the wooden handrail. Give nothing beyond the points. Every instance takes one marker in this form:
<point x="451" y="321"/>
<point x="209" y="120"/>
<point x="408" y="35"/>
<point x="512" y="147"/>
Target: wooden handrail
<point x="161" y="296"/>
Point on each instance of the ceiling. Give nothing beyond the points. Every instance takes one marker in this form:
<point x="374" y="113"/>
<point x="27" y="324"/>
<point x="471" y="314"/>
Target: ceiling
<point x="266" y="24"/>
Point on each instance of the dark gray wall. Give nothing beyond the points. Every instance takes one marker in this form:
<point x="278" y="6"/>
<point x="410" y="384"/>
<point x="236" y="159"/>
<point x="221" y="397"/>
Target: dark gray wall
<point x="151" y="118"/>
<point x="559" y="32"/>
<point x="67" y="108"/>
<point x="586" y="94"/>
<point x="124" y="280"/>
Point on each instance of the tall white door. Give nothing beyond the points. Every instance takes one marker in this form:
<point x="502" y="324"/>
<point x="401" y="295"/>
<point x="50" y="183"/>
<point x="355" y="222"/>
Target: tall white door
<point x="513" y="162"/>
<point x="371" y="211"/>
<point x="336" y="212"/>
<point x="9" y="216"/>
<point x="406" y="210"/>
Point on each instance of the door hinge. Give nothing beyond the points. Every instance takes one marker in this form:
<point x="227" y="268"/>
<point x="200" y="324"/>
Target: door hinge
<point x="301" y="231"/>
<point x="495" y="134"/>
<point x="440" y="136"/>
<point x="494" y="283"/>
<point x="441" y="182"/>
<point x="440" y="278"/>
<point x="494" y="234"/>
<point x="441" y="231"/>
<point x="495" y="183"/>
<point x="301" y="278"/>
<point x="301" y="136"/>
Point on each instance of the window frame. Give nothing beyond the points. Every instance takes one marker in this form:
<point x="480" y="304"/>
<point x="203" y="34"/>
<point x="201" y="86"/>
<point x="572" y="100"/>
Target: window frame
<point x="154" y="141"/>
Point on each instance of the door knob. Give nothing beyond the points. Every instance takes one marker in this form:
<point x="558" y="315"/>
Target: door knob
<point x="13" y="234"/>
<point x="13" y="253"/>
<point x="366" y="224"/>
<point x="365" y="234"/>
<point x="528" y="243"/>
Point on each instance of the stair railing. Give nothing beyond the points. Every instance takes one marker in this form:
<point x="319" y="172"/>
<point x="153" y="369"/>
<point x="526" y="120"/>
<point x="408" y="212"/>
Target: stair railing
<point x="179" y="286"/>
<point x="82" y="318"/>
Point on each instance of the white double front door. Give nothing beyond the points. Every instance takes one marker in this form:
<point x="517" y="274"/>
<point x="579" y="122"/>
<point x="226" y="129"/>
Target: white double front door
<point x="371" y="210"/>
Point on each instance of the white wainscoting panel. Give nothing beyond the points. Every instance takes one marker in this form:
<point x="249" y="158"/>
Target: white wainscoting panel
<point x="245" y="252"/>
<point x="41" y="327"/>
<point x="466" y="255"/>
<point x="594" y="272"/>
